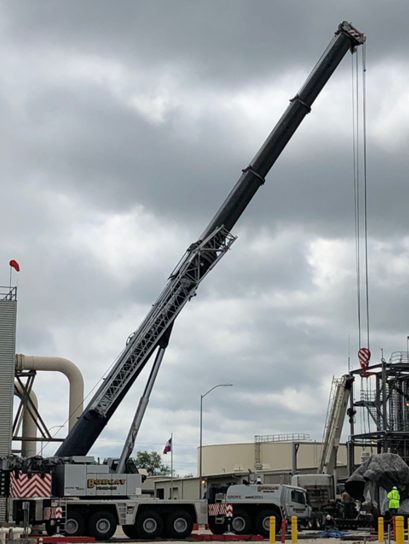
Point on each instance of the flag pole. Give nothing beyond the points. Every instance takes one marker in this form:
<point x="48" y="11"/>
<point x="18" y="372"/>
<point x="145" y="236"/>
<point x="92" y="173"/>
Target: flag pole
<point x="171" y="466"/>
<point x="10" y="277"/>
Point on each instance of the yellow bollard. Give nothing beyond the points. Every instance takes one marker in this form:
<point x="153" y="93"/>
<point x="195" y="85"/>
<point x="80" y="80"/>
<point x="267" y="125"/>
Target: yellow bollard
<point x="400" y="529"/>
<point x="294" y="530"/>
<point x="272" y="529"/>
<point x="381" y="529"/>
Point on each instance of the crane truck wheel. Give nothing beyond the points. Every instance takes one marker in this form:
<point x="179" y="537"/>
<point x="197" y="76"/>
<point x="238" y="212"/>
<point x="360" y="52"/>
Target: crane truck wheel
<point x="241" y="523"/>
<point x="263" y="522"/>
<point x="179" y="524"/>
<point x="217" y="528"/>
<point x="102" y="525"/>
<point x="130" y="531"/>
<point x="75" y="523"/>
<point x="149" y="524"/>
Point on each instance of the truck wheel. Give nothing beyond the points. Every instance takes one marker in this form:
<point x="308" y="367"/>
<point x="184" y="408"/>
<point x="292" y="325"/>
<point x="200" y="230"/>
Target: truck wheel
<point x="241" y="523"/>
<point x="149" y="524"/>
<point x="50" y="529"/>
<point x="217" y="528"/>
<point x="179" y="524"/>
<point x="263" y="522"/>
<point x="75" y="524"/>
<point x="102" y="525"/>
<point x="130" y="531"/>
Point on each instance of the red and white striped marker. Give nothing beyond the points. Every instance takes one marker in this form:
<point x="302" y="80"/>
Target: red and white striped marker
<point x="364" y="356"/>
<point x="58" y="512"/>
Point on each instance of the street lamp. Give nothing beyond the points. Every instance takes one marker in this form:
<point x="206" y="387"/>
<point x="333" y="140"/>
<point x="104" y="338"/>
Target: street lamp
<point x="407" y="349"/>
<point x="201" y="430"/>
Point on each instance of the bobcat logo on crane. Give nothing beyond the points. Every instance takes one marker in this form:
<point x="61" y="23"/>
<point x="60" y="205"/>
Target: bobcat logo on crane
<point x="91" y="483"/>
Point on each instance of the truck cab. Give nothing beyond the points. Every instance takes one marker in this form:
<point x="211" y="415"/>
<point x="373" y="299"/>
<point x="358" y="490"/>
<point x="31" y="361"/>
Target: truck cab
<point x="254" y="504"/>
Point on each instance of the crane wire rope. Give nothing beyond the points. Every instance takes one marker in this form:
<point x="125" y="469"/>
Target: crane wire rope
<point x="361" y="209"/>
<point x="356" y="171"/>
<point x="365" y="180"/>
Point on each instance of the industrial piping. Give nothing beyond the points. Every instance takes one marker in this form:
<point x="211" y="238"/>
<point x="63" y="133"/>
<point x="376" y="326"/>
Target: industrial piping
<point x="69" y="369"/>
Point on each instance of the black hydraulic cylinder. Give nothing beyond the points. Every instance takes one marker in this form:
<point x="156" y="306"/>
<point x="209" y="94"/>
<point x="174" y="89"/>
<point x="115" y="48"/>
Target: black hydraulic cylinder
<point x="90" y="424"/>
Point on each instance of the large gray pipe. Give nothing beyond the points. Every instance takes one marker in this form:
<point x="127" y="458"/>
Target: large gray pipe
<point x="69" y="369"/>
<point x="29" y="430"/>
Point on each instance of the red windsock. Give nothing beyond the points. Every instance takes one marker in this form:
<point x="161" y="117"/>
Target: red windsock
<point x="14" y="264"/>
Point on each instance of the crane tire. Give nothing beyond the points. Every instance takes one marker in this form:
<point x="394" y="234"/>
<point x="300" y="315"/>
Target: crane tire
<point x="241" y="522"/>
<point x="217" y="528"/>
<point x="102" y="525"/>
<point x="149" y="524"/>
<point x="179" y="524"/>
<point x="263" y="522"/>
<point x="130" y="531"/>
<point x="75" y="523"/>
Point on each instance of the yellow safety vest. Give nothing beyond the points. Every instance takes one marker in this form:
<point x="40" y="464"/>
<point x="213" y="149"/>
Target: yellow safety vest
<point x="394" y="498"/>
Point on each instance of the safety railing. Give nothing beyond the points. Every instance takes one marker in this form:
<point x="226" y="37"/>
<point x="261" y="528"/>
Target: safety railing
<point x="8" y="293"/>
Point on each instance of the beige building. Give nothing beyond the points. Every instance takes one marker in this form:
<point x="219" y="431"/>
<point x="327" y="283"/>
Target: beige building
<point x="269" y="453"/>
<point x="263" y="456"/>
<point x="274" y="458"/>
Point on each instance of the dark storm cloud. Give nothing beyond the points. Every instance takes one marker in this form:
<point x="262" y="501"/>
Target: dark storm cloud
<point x="89" y="141"/>
<point x="227" y="40"/>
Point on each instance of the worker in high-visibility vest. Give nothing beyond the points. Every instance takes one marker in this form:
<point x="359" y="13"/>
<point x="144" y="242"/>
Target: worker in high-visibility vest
<point x="394" y="500"/>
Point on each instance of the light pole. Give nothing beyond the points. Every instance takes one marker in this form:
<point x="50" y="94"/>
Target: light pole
<point x="201" y="430"/>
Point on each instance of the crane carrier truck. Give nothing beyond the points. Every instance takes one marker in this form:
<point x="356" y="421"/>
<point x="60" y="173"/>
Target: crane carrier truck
<point x="89" y="498"/>
<point x="254" y="504"/>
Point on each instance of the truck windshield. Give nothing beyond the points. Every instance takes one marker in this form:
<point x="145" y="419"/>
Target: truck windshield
<point x="298" y="496"/>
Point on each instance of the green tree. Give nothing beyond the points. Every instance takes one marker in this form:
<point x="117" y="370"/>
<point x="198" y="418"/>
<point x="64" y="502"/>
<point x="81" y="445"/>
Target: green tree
<point x="152" y="462"/>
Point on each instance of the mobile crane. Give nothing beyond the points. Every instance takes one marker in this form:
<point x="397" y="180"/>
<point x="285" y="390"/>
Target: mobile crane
<point x="321" y="486"/>
<point x="96" y="498"/>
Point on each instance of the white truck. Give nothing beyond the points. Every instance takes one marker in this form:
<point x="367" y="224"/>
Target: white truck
<point x="254" y="504"/>
<point x="86" y="499"/>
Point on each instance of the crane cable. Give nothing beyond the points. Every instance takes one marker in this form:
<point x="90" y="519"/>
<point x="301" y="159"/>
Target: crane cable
<point x="361" y="209"/>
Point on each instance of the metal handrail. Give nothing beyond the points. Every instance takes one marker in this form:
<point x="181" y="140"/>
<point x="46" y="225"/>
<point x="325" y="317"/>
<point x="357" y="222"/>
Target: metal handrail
<point x="8" y="293"/>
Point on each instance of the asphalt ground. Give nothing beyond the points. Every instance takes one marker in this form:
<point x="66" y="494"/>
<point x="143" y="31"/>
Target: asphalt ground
<point x="304" y="537"/>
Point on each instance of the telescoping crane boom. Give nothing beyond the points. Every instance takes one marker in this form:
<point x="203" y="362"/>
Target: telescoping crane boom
<point x="333" y="427"/>
<point x="154" y="332"/>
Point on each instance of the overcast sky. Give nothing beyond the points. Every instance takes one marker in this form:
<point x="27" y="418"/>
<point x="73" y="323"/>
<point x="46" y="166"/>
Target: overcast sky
<point x="124" y="126"/>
